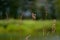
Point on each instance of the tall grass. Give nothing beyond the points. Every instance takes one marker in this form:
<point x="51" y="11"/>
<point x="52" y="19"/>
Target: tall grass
<point x="26" y="25"/>
<point x="18" y="29"/>
<point x="58" y="26"/>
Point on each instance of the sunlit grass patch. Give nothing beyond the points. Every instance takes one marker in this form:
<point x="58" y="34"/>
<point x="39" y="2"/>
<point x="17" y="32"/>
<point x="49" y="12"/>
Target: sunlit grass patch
<point x="27" y="25"/>
<point x="19" y="29"/>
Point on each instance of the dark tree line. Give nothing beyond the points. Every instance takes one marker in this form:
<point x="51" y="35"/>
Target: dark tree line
<point x="24" y="5"/>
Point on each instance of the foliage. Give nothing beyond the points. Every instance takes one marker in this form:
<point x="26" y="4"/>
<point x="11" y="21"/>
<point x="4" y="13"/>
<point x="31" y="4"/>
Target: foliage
<point x="27" y="25"/>
<point x="24" y="5"/>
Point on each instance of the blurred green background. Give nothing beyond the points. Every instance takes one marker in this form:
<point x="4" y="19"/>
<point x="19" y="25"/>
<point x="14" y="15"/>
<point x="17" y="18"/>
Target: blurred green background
<point x="16" y="19"/>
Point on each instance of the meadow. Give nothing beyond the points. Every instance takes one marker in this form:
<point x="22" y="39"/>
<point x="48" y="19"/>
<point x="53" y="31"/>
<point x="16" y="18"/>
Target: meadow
<point x="26" y="25"/>
<point x="18" y="29"/>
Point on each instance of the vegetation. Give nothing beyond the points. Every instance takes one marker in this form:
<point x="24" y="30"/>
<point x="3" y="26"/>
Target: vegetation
<point x="26" y="25"/>
<point x="16" y="28"/>
<point x="15" y="8"/>
<point x="16" y="19"/>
